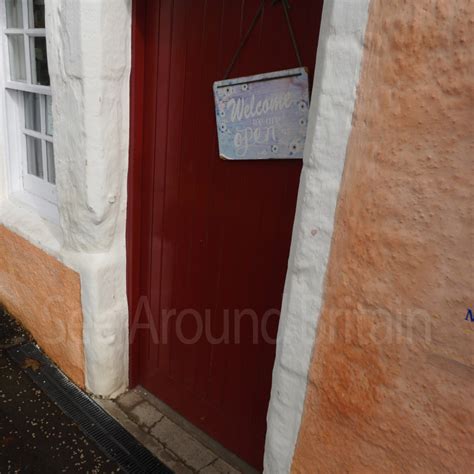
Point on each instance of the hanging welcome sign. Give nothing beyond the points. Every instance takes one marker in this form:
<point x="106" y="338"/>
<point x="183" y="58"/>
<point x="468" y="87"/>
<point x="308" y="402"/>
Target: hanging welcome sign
<point x="262" y="117"/>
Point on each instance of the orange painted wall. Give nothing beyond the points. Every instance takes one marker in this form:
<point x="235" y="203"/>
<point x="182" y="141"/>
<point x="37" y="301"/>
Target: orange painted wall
<point x="46" y="297"/>
<point x="391" y="383"/>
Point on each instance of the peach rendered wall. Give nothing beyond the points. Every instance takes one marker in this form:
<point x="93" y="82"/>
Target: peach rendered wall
<point x="46" y="297"/>
<point x="392" y="377"/>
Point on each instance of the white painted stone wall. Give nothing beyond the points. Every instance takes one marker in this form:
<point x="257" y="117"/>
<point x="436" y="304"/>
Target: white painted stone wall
<point x="89" y="53"/>
<point x="338" y="64"/>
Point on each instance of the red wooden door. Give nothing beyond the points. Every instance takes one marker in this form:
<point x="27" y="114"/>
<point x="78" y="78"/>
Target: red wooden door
<point x="208" y="239"/>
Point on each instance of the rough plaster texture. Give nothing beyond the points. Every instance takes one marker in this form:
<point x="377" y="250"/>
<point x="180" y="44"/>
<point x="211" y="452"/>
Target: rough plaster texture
<point x="89" y="62"/>
<point x="46" y="297"/>
<point x="392" y="375"/>
<point x="337" y="73"/>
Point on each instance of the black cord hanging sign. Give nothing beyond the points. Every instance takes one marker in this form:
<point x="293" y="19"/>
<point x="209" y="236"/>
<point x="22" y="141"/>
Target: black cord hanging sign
<point x="263" y="116"/>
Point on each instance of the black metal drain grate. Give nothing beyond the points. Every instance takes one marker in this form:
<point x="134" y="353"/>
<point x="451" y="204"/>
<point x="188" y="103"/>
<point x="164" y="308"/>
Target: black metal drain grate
<point x="93" y="420"/>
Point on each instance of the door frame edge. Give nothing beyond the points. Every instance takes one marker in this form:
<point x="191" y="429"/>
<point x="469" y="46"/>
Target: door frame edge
<point x="135" y="279"/>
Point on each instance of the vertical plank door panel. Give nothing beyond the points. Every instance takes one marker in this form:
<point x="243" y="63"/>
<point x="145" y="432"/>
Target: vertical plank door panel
<point x="211" y="237"/>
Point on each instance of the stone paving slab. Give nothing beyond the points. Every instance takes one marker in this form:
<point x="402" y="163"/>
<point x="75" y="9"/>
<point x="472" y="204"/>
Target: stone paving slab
<point x="129" y="399"/>
<point x="139" y="412"/>
<point x="152" y="444"/>
<point x="183" y="456"/>
<point x="145" y="414"/>
<point x="233" y="464"/>
<point x="193" y="453"/>
<point x="219" y="467"/>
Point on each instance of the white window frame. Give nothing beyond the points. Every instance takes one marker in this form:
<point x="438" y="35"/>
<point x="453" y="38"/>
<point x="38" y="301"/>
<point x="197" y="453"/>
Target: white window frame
<point x="26" y="188"/>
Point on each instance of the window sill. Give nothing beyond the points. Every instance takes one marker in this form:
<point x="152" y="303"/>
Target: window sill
<point x="37" y="204"/>
<point x="27" y="223"/>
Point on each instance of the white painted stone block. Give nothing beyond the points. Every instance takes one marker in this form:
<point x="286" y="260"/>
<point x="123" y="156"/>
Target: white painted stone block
<point x="338" y="63"/>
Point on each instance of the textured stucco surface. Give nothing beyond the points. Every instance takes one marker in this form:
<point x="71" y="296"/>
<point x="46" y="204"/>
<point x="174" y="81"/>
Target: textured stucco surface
<point x="339" y="56"/>
<point x="89" y="47"/>
<point x="392" y="376"/>
<point x="89" y="53"/>
<point x="46" y="297"/>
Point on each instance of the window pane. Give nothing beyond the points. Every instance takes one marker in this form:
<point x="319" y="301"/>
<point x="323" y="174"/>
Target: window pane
<point x="14" y="14"/>
<point x="37" y="14"/>
<point x="16" y="51"/>
<point x="49" y="115"/>
<point x="39" y="62"/>
<point x="33" y="155"/>
<point x="32" y="111"/>
<point x="50" y="163"/>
